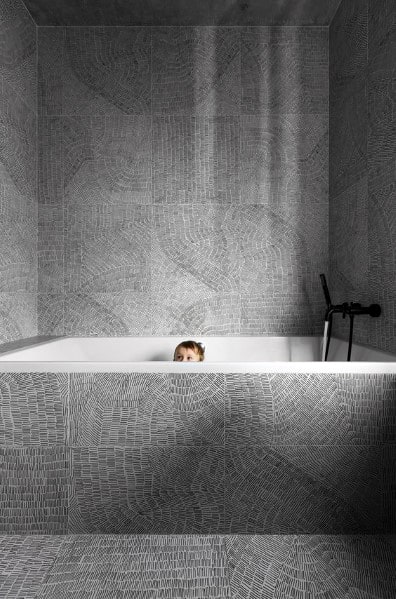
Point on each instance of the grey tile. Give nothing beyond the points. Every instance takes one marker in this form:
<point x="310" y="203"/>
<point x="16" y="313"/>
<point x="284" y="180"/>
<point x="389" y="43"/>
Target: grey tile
<point x="33" y="409"/>
<point x="284" y="70"/>
<point x="348" y="242"/>
<point x="18" y="269"/>
<point x="18" y="316"/>
<point x="19" y="52"/>
<point x="25" y="562"/>
<point x="205" y="313"/>
<point x="35" y="490"/>
<point x="50" y="72"/>
<point x="109" y="314"/>
<point x="196" y="159"/>
<point x="156" y="12"/>
<point x="281" y="254"/>
<point x="107" y="248"/>
<point x="107" y="160"/>
<point x="196" y="71"/>
<point x="388" y="471"/>
<point x="18" y="150"/>
<point x="381" y="264"/>
<point x="249" y="415"/>
<point x="195" y="270"/>
<point x="348" y="43"/>
<point x="339" y="409"/>
<point x="139" y="566"/>
<point x="348" y="139"/>
<point x="50" y="248"/>
<point x="107" y="70"/>
<point x="50" y="157"/>
<point x="307" y="566"/>
<point x="152" y="490"/>
<point x="50" y="313"/>
<point x="305" y="490"/>
<point x="126" y="410"/>
<point x="284" y="160"/>
<point x="198" y="240"/>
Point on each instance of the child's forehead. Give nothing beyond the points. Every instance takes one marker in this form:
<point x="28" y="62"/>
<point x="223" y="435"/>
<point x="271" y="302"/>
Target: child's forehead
<point x="186" y="349"/>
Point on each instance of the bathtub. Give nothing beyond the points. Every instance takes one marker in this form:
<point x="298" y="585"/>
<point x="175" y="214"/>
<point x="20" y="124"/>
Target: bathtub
<point x="110" y="436"/>
<point x="222" y="354"/>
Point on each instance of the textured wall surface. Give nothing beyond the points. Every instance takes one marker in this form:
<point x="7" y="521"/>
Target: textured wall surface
<point x="236" y="566"/>
<point x="183" y="180"/>
<point x="18" y="160"/>
<point x="362" y="166"/>
<point x="198" y="454"/>
<point x="187" y="12"/>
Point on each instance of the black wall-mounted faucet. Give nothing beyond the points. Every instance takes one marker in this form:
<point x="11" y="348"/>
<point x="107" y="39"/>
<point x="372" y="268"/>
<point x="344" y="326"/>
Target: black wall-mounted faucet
<point x="351" y="309"/>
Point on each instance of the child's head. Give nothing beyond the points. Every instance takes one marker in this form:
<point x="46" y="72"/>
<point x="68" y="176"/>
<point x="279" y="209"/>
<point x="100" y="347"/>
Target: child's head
<point x="189" y="351"/>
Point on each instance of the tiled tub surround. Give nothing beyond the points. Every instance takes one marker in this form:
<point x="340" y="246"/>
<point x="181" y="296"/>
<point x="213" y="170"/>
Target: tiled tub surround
<point x="18" y="173"/>
<point x="182" y="180"/>
<point x="198" y="453"/>
<point x="361" y="164"/>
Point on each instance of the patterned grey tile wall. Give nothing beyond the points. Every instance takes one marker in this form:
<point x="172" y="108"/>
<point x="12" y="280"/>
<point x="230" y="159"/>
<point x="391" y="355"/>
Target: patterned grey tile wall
<point x="140" y="566"/>
<point x="242" y="453"/>
<point x="33" y="409"/>
<point x="284" y="70"/>
<point x="238" y="566"/>
<point x="307" y="566"/>
<point x="348" y="216"/>
<point x="34" y="458"/>
<point x="18" y="60"/>
<point x="361" y="164"/>
<point x="196" y="71"/>
<point x="35" y="489"/>
<point x="182" y="146"/>
<point x="18" y="160"/>
<point x="25" y="563"/>
<point x="156" y="12"/>
<point x="126" y="410"/>
<point x="381" y="171"/>
<point x="147" y="489"/>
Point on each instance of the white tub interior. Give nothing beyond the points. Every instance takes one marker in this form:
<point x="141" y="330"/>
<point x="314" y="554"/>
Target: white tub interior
<point x="222" y="354"/>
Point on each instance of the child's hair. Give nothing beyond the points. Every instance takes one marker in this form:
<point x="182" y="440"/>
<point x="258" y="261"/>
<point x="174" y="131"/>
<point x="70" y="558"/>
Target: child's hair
<point x="196" y="346"/>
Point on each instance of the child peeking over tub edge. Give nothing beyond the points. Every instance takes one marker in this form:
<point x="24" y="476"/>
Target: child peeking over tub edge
<point x="189" y="351"/>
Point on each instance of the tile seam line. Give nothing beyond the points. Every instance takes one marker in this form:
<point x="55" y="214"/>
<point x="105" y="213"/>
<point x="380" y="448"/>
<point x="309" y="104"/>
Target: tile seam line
<point x="29" y="13"/>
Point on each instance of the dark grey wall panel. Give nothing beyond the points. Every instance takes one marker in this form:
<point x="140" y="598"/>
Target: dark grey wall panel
<point x="18" y="178"/>
<point x="362" y="177"/>
<point x="174" y="12"/>
<point x="196" y="263"/>
<point x="152" y="490"/>
<point x="381" y="169"/>
<point x="18" y="225"/>
<point x="35" y="490"/>
<point x="18" y="59"/>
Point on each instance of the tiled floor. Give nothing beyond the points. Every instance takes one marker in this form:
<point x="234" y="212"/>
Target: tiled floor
<point x="184" y="566"/>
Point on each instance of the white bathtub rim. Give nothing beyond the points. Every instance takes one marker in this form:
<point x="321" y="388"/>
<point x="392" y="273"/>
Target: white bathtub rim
<point x="202" y="367"/>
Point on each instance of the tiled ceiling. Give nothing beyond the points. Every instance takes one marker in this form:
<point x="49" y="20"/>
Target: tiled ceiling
<point x="182" y="12"/>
